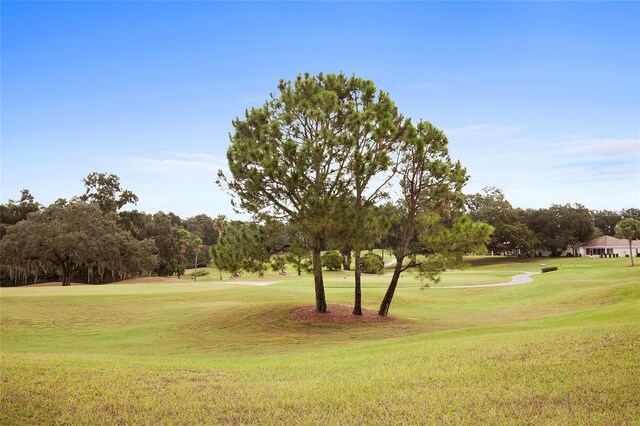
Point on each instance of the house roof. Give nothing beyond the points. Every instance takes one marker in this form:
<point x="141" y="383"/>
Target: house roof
<point x="608" y="241"/>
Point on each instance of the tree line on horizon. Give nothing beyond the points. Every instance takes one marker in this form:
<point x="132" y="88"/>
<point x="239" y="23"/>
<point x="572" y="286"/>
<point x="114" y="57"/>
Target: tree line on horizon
<point x="518" y="232"/>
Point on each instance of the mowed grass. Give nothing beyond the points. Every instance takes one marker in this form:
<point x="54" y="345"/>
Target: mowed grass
<point x="564" y="349"/>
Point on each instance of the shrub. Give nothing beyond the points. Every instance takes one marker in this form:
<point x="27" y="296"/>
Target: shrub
<point x="371" y="263"/>
<point x="199" y="273"/>
<point x="332" y="260"/>
<point x="549" y="269"/>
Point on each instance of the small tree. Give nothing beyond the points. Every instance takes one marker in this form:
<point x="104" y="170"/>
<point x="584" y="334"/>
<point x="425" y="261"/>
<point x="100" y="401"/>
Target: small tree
<point x="628" y="229"/>
<point x="227" y="252"/>
<point x="429" y="182"/>
<point x="243" y="247"/>
<point x="332" y="260"/>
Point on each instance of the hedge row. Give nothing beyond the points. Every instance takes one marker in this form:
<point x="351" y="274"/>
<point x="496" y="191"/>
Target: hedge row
<point x="549" y="268"/>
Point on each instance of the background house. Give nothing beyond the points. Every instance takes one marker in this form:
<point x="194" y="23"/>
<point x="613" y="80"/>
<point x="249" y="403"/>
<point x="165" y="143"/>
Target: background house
<point x="606" y="245"/>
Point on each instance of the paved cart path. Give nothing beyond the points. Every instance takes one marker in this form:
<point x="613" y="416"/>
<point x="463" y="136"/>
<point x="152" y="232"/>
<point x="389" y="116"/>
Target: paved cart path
<point x="524" y="278"/>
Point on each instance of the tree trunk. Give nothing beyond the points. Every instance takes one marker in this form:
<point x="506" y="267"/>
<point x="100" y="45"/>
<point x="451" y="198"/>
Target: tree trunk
<point x="357" y="301"/>
<point x="388" y="297"/>
<point x="67" y="270"/>
<point x="631" y="252"/>
<point x="346" y="260"/>
<point x="66" y="277"/>
<point x="321" y="302"/>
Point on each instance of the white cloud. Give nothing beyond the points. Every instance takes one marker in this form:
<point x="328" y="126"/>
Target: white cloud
<point x="154" y="165"/>
<point x="191" y="156"/>
<point x="605" y="147"/>
<point x="483" y="129"/>
<point x="604" y="177"/>
<point x="180" y="182"/>
<point x="185" y="164"/>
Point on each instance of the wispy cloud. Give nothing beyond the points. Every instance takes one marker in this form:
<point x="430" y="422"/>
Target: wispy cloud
<point x="169" y="166"/>
<point x="605" y="147"/>
<point x="194" y="156"/>
<point x="593" y="164"/>
<point x="603" y="177"/>
<point x="599" y="160"/>
<point x="175" y="164"/>
<point x="484" y="129"/>
<point x="598" y="171"/>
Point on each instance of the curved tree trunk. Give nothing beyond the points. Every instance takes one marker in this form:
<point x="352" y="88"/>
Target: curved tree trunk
<point x="631" y="251"/>
<point x="388" y="297"/>
<point x="321" y="301"/>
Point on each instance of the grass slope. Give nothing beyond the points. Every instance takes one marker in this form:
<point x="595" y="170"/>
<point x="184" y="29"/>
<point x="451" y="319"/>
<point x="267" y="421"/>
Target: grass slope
<point x="564" y="349"/>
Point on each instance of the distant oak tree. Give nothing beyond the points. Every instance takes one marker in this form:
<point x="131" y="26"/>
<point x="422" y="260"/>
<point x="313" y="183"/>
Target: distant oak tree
<point x="104" y="190"/>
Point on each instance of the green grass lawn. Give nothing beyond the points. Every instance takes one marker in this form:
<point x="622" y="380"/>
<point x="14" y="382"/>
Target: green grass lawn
<point x="564" y="349"/>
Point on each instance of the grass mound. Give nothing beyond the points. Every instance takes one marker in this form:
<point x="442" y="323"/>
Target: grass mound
<point x="563" y="349"/>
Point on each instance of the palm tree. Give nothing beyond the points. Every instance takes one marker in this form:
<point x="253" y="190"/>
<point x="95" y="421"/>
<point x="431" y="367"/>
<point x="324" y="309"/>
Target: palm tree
<point x="197" y="247"/>
<point x="183" y="238"/>
<point x="220" y="224"/>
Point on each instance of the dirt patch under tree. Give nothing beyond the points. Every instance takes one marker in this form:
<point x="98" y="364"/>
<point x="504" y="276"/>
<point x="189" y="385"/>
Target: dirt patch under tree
<point x="337" y="314"/>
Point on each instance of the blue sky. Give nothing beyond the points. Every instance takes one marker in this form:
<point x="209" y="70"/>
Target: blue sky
<point x="541" y="99"/>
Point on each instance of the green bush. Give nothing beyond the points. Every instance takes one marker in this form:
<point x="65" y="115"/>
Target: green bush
<point x="332" y="260"/>
<point x="199" y="273"/>
<point x="371" y="263"/>
<point x="549" y="269"/>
